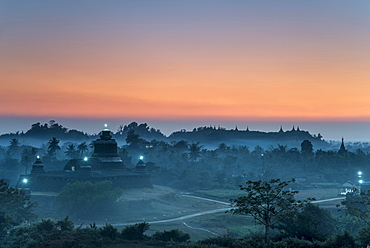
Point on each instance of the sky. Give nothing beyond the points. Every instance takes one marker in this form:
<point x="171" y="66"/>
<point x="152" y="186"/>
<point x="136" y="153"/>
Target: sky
<point x="187" y="63"/>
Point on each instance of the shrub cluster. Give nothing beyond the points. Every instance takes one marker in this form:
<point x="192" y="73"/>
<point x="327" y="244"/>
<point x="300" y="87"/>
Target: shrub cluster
<point x="63" y="234"/>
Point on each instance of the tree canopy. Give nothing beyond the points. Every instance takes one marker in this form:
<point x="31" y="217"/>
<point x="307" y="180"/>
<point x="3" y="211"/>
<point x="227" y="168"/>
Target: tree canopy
<point x="15" y="206"/>
<point x="82" y="199"/>
<point x="266" y="201"/>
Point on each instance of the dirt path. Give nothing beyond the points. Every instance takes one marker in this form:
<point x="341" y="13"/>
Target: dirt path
<point x="181" y="218"/>
<point x="175" y="219"/>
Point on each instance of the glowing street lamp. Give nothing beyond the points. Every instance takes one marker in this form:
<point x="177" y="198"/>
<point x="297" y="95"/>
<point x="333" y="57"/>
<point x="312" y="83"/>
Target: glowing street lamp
<point x="359" y="174"/>
<point x="141" y="157"/>
<point x="85" y="159"/>
<point x="25" y="180"/>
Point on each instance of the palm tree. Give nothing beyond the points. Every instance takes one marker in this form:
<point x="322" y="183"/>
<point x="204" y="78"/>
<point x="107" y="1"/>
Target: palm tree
<point x="82" y="149"/>
<point x="71" y="151"/>
<point x="282" y="149"/>
<point x="53" y="147"/>
<point x="194" y="151"/>
<point x="14" y="142"/>
<point x="28" y="156"/>
<point x="13" y="147"/>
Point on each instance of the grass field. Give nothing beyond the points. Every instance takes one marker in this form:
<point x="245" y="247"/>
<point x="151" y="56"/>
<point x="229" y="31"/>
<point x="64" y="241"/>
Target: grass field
<point x="221" y="193"/>
<point x="162" y="203"/>
<point x="209" y="225"/>
<point x="319" y="194"/>
<point x="226" y="194"/>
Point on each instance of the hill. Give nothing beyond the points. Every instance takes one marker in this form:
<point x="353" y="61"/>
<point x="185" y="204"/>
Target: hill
<point x="210" y="137"/>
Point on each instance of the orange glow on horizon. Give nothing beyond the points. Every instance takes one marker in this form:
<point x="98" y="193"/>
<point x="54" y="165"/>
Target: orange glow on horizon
<point x="265" y="68"/>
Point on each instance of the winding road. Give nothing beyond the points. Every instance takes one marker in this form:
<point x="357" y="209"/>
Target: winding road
<point x="181" y="218"/>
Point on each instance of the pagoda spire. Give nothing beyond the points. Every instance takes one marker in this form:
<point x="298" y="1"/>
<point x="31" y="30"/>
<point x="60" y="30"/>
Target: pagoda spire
<point x="342" y="148"/>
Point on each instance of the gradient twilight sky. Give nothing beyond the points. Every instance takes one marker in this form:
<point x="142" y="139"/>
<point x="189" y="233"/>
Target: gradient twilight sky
<point x="187" y="62"/>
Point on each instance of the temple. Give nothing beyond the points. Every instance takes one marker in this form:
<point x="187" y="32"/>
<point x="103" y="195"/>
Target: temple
<point x="104" y="164"/>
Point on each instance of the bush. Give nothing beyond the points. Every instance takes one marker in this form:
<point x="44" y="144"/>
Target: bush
<point x="296" y="243"/>
<point x="174" y="235"/>
<point x="222" y="241"/>
<point x="65" y="225"/>
<point x="135" y="232"/>
<point x="341" y="241"/>
<point x="364" y="236"/>
<point x="108" y="231"/>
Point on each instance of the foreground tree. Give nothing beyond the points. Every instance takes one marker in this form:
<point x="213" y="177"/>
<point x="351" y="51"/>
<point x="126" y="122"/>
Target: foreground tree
<point x="266" y="201"/>
<point x="15" y="207"/>
<point x="358" y="205"/>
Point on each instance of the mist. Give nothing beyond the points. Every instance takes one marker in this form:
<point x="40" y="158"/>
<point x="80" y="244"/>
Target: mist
<point x="192" y="174"/>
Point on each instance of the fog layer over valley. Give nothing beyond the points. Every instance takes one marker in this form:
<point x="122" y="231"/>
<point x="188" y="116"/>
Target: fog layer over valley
<point x="194" y="174"/>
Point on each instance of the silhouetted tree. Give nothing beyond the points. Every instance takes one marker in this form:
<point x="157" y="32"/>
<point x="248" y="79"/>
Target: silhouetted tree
<point x="82" y="149"/>
<point x="132" y="138"/>
<point x="71" y="152"/>
<point x="120" y="130"/>
<point x="53" y="147"/>
<point x="181" y="145"/>
<point x="310" y="222"/>
<point x="222" y="147"/>
<point x="306" y="147"/>
<point x="266" y="201"/>
<point x="194" y="151"/>
<point x="28" y="156"/>
<point x="13" y="147"/>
